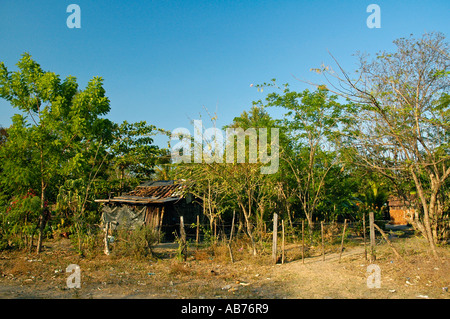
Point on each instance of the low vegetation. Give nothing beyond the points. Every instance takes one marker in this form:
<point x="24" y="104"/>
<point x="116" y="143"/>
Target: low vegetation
<point x="342" y="149"/>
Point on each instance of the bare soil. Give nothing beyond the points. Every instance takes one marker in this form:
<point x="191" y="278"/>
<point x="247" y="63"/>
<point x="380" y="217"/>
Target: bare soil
<point x="209" y="273"/>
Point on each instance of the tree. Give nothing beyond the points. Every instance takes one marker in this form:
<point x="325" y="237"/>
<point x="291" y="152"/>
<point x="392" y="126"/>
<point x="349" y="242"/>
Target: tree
<point x="56" y="137"/>
<point x="229" y="185"/>
<point x="133" y="153"/>
<point x="373" y="194"/>
<point x="312" y="124"/>
<point x="3" y="135"/>
<point x="401" y="125"/>
<point x="204" y="182"/>
<point x="251" y="190"/>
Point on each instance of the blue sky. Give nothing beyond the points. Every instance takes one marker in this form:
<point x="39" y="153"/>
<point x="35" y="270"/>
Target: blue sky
<point x="167" y="61"/>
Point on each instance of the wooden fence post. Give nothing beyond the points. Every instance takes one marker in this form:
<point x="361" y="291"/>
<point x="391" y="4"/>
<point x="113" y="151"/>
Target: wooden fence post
<point x="282" y="242"/>
<point x="275" y="238"/>
<point x="342" y="241"/>
<point x="364" y="235"/>
<point x="303" y="241"/>
<point x="161" y="218"/>
<point x="215" y="231"/>
<point x="183" y="244"/>
<point x="372" y="236"/>
<point x="107" y="252"/>
<point x="323" y="245"/>
<point x="197" y="235"/>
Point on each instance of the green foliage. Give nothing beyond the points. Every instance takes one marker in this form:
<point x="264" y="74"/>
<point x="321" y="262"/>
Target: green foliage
<point x="58" y="131"/>
<point x="137" y="243"/>
<point x="312" y="123"/>
<point x="69" y="201"/>
<point x="337" y="159"/>
<point x="133" y="155"/>
<point x="373" y="195"/>
<point x="19" y="220"/>
<point x="56" y="136"/>
<point x="60" y="146"/>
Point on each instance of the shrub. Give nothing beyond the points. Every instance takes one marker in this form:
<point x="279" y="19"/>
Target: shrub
<point x="18" y="220"/>
<point x="137" y="242"/>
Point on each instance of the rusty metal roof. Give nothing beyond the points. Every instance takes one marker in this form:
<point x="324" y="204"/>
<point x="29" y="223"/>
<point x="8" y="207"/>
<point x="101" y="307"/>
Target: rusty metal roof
<point x="166" y="191"/>
<point x="149" y="195"/>
<point x="395" y="201"/>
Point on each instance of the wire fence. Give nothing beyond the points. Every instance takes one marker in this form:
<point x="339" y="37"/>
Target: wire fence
<point x="293" y="230"/>
<point x="296" y="238"/>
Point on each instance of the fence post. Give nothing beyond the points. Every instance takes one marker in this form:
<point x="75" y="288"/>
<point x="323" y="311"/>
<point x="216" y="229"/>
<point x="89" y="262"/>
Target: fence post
<point x="183" y="244"/>
<point x="282" y="242"/>
<point x="323" y="246"/>
<point x="364" y="235"/>
<point x="215" y="231"/>
<point x="303" y="241"/>
<point x="107" y="252"/>
<point x="372" y="236"/>
<point x="197" y="234"/>
<point x="342" y="241"/>
<point x="161" y="218"/>
<point x="275" y="238"/>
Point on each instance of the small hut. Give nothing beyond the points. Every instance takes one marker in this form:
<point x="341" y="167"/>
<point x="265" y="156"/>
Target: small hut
<point x="157" y="204"/>
<point x="399" y="210"/>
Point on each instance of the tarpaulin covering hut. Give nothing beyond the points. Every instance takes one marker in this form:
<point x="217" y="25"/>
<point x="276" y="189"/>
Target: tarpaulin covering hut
<point x="157" y="204"/>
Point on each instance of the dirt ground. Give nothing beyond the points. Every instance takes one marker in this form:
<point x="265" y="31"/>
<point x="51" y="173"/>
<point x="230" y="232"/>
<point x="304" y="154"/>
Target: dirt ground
<point x="210" y="274"/>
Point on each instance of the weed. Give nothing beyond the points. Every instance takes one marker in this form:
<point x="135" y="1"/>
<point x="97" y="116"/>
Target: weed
<point x="136" y="243"/>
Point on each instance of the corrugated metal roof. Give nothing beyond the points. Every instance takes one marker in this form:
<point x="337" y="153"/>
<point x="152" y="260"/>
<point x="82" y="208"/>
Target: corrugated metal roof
<point x="149" y="194"/>
<point x="394" y="201"/>
<point x="174" y="190"/>
<point x="156" y="183"/>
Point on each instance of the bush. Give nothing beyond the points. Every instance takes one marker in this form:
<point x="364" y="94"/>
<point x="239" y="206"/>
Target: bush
<point x="137" y="243"/>
<point x="87" y="242"/>
<point x="3" y="243"/>
<point x="18" y="220"/>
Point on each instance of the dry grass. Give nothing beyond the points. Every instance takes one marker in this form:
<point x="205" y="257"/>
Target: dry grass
<point x="209" y="273"/>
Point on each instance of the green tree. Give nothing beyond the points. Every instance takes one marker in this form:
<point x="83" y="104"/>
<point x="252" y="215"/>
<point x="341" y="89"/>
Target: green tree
<point x="311" y="123"/>
<point x="3" y="135"/>
<point x="133" y="154"/>
<point x="235" y="184"/>
<point x="57" y="134"/>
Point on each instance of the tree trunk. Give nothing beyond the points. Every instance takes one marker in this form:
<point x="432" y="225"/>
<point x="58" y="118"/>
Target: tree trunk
<point x="260" y="219"/>
<point x="42" y="218"/>
<point x="42" y="222"/>
<point x="310" y="224"/>
<point x="122" y="175"/>
<point x="288" y="209"/>
<point x="431" y="239"/>
<point x="428" y="208"/>
<point x="249" y="228"/>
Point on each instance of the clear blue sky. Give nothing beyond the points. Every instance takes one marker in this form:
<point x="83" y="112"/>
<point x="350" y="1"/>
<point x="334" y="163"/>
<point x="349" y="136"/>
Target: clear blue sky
<point x="165" y="61"/>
